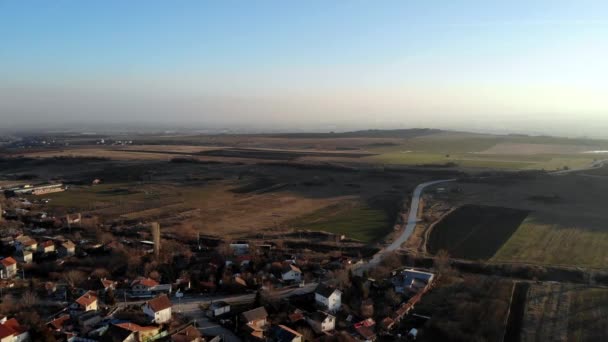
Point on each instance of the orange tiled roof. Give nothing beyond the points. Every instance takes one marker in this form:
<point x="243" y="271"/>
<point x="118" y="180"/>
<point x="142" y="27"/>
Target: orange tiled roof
<point x="8" y="261"/>
<point x="159" y="303"/>
<point x="135" y="327"/>
<point x="87" y="299"/>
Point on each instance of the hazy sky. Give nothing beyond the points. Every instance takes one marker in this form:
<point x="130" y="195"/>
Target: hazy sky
<point x="539" y="66"/>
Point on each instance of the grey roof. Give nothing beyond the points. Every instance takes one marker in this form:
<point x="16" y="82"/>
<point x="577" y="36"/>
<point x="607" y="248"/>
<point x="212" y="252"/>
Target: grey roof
<point x="255" y="314"/>
<point x="325" y="290"/>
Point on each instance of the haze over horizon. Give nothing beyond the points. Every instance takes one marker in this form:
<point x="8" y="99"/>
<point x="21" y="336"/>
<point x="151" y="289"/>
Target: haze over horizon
<point x="519" y="66"/>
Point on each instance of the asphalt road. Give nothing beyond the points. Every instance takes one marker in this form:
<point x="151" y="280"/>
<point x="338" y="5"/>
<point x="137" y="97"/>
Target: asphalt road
<point x="412" y="220"/>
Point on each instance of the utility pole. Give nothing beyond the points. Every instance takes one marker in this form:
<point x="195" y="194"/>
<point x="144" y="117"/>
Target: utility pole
<point x="156" y="238"/>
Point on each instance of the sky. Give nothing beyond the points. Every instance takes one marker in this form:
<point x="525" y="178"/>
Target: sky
<point x="512" y="66"/>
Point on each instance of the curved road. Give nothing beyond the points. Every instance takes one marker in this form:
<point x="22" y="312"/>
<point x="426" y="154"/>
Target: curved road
<point x="412" y="220"/>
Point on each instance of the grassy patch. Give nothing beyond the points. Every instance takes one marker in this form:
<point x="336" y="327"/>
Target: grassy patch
<point x="564" y="312"/>
<point x="551" y="244"/>
<point x="475" y="232"/>
<point x="355" y="220"/>
<point x="87" y="196"/>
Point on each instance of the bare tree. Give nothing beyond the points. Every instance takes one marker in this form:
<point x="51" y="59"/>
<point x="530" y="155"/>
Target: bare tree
<point x="29" y="299"/>
<point x="74" y="278"/>
<point x="443" y="266"/>
<point x="392" y="297"/>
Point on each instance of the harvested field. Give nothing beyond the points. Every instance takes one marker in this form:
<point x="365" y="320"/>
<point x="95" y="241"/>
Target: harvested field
<point x="475" y="232"/>
<point x="562" y="312"/>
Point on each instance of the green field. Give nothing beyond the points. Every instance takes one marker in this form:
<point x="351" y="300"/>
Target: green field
<point x="467" y="150"/>
<point x="355" y="220"/>
<point x="551" y="244"/>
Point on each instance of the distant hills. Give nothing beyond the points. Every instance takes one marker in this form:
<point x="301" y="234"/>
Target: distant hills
<point x="370" y="133"/>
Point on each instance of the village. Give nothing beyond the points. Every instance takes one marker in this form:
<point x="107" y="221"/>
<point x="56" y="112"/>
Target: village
<point x="73" y="278"/>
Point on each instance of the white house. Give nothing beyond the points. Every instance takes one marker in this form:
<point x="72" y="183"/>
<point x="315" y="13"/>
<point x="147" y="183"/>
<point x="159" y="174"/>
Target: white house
<point x="88" y="301"/>
<point x="328" y="297"/>
<point x="46" y="247"/>
<point x="67" y="248"/>
<point x="159" y="309"/>
<point x="321" y="321"/>
<point x="291" y="273"/>
<point x="8" y="268"/>
<point x="25" y="256"/>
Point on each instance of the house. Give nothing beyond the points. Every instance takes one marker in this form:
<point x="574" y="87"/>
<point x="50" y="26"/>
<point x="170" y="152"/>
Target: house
<point x="291" y="272"/>
<point x="321" y="322"/>
<point x="189" y="334"/>
<point x="87" y="302"/>
<point x="328" y="297"/>
<point x="159" y="309"/>
<point x="67" y="248"/>
<point x="60" y="323"/>
<point x="8" y="268"/>
<point x="107" y="284"/>
<point x="138" y="332"/>
<point x="46" y="247"/>
<point x="281" y="333"/>
<point x="25" y="256"/>
<point x="88" y="320"/>
<point x="412" y="281"/>
<point x="367" y="333"/>
<point x="218" y="308"/>
<point x="143" y="286"/>
<point x="256" y="319"/>
<point x="25" y="243"/>
<point x="146" y="287"/>
<point x="12" y="331"/>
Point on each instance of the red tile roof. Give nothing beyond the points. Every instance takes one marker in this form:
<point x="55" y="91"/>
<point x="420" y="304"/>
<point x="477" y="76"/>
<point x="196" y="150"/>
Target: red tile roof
<point x="8" y="261"/>
<point x="159" y="303"/>
<point x="58" y="323"/>
<point x="87" y="299"/>
<point x="135" y="327"/>
<point x="6" y="331"/>
<point x="145" y="282"/>
<point x="14" y="324"/>
<point x="48" y="243"/>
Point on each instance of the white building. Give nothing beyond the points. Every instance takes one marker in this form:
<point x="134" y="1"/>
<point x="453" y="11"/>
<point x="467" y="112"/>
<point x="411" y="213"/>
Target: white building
<point x="328" y="297"/>
<point x="88" y="301"/>
<point x="321" y="322"/>
<point x="159" y="309"/>
<point x="291" y="273"/>
<point x="8" y="268"/>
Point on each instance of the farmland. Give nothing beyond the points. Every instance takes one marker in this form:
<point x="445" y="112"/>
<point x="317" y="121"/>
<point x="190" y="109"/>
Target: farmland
<point x="398" y="147"/>
<point x="565" y="312"/>
<point x="552" y="244"/>
<point x="355" y="220"/>
<point x="475" y="232"/>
